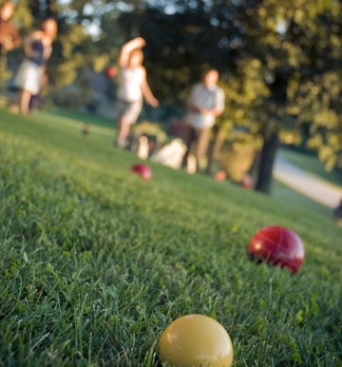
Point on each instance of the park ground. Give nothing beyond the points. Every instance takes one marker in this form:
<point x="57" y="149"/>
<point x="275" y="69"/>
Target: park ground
<point x="96" y="262"/>
<point x="323" y="190"/>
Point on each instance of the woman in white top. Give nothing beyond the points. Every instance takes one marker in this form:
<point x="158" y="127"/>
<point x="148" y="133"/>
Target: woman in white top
<point x="133" y="87"/>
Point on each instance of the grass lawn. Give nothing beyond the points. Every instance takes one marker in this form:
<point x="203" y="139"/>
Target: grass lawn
<point x="96" y="262"/>
<point x="84" y="117"/>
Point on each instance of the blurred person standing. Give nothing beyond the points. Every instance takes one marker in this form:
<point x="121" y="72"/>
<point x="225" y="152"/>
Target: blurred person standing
<point x="38" y="49"/>
<point x="205" y="103"/>
<point x="9" y="34"/>
<point x="9" y="37"/>
<point x="133" y="87"/>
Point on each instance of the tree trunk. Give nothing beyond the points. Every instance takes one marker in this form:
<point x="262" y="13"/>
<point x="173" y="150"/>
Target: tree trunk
<point x="220" y="136"/>
<point x="267" y="157"/>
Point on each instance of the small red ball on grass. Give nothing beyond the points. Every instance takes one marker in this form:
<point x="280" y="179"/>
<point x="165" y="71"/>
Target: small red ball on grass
<point x="194" y="341"/>
<point x="220" y="176"/>
<point x="278" y="246"/>
<point x="142" y="170"/>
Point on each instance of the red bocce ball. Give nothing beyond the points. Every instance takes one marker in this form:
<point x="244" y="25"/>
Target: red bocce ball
<point x="142" y="170"/>
<point x="278" y="246"/>
<point x="220" y="176"/>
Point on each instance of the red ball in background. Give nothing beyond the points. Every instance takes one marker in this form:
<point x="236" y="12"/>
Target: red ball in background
<point x="278" y="246"/>
<point x="111" y="72"/>
<point x="220" y="176"/>
<point x="142" y="170"/>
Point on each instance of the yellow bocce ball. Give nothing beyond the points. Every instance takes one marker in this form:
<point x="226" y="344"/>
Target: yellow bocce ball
<point x="196" y="341"/>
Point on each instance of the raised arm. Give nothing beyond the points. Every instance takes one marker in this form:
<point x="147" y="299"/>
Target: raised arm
<point x="127" y="48"/>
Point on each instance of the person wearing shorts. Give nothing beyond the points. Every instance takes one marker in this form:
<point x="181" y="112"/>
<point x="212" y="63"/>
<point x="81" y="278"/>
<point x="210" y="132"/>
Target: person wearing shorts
<point x="38" y="49"/>
<point x="133" y="88"/>
<point x="205" y="103"/>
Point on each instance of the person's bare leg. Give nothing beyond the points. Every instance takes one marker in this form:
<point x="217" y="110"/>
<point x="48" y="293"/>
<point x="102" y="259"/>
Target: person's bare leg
<point x="24" y="102"/>
<point x="202" y="144"/>
<point x="123" y="133"/>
